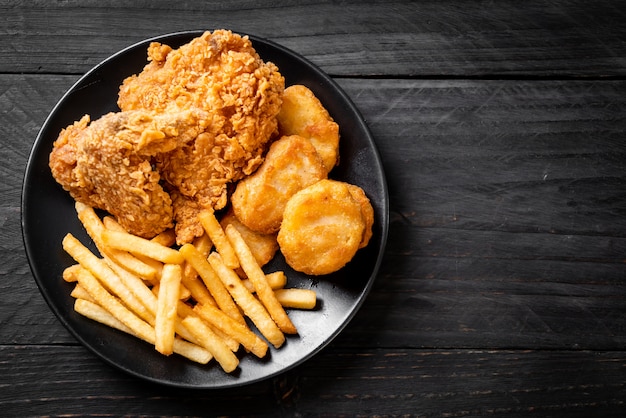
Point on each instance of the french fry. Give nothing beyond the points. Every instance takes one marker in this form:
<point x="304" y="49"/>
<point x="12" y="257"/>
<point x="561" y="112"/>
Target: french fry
<point x="69" y="273"/>
<point x="190" y="279"/>
<point x="137" y="245"/>
<point x="94" y="227"/>
<point x="212" y="281"/>
<point x="166" y="238"/>
<point x="238" y="331"/>
<point x="97" y="313"/>
<point x="203" y="244"/>
<point x="79" y="292"/>
<point x="185" y="310"/>
<point x="110" y="223"/>
<point x="296" y="298"/>
<point x="251" y="307"/>
<point x="207" y="338"/>
<point x="100" y="269"/>
<point x="166" y="314"/>
<point x="196" y="287"/>
<point x="93" y="311"/>
<point x="114" y="306"/>
<point x="259" y="281"/>
<point x="147" y="297"/>
<point x="136" y="285"/>
<point x="213" y="228"/>
<point x="276" y="280"/>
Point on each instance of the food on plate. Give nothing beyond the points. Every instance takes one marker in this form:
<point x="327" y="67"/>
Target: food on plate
<point x="303" y="114"/>
<point x="296" y="298"/>
<point x="367" y="211"/>
<point x="107" y="164"/>
<point x="323" y="227"/>
<point x="259" y="281"/>
<point x="195" y="120"/>
<point x="263" y="246"/>
<point x="291" y="164"/>
<point x="108" y="291"/>
<point x="200" y="127"/>
<point x="166" y="313"/>
<point x="221" y="73"/>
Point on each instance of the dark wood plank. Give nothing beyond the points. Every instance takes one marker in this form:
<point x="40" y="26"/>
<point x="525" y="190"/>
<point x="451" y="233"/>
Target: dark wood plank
<point x="399" y="382"/>
<point x="402" y="38"/>
<point x="483" y="250"/>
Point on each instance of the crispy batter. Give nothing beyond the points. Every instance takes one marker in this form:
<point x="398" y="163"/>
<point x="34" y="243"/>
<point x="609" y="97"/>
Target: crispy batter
<point x="322" y="228"/>
<point x="218" y="74"/>
<point x="303" y="114"/>
<point x="221" y="73"/>
<point x="107" y="164"/>
<point x="367" y="212"/>
<point x="290" y="165"/>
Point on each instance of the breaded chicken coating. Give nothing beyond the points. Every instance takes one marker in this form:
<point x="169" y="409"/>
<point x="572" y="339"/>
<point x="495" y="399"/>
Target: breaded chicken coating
<point x="107" y="164"/>
<point x="222" y="74"/>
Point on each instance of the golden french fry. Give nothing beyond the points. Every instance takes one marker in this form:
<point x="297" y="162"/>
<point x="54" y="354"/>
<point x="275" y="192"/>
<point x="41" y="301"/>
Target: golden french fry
<point x="212" y="282"/>
<point x="79" y="292"/>
<point x="69" y="273"/>
<point x="94" y="227"/>
<point x="238" y="331"/>
<point x="213" y="228"/>
<point x="115" y="307"/>
<point x="183" y="293"/>
<point x="296" y="298"/>
<point x="259" y="281"/>
<point x="207" y="339"/>
<point x="276" y="280"/>
<point x="196" y="287"/>
<point x="110" y="223"/>
<point x="166" y="314"/>
<point x="137" y="245"/>
<point x="100" y="269"/>
<point x="166" y="238"/>
<point x="263" y="246"/>
<point x="97" y="313"/>
<point x="203" y="244"/>
<point x="146" y="297"/>
<point x="185" y="310"/>
<point x="136" y="285"/>
<point x="251" y="307"/>
<point x="92" y="310"/>
<point x="190" y="280"/>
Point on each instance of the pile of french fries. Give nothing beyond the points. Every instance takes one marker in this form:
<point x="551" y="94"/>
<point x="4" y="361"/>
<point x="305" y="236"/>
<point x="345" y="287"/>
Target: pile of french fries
<point x="196" y="300"/>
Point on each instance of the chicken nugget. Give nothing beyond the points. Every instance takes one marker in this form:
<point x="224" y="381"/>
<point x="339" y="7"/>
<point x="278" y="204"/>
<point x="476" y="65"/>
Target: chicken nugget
<point x="322" y="228"/>
<point x="367" y="211"/>
<point x="303" y="114"/>
<point x="291" y="164"/>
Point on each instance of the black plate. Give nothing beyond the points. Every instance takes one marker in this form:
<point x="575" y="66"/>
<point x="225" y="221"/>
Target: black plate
<point x="48" y="214"/>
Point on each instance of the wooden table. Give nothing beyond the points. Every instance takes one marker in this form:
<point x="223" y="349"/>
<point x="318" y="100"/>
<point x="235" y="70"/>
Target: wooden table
<point x="502" y="129"/>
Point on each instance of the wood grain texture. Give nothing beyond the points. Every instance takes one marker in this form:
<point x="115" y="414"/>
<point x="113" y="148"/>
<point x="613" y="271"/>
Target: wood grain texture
<point x="501" y="129"/>
<point x="490" y="226"/>
<point x="373" y="38"/>
<point x="396" y="382"/>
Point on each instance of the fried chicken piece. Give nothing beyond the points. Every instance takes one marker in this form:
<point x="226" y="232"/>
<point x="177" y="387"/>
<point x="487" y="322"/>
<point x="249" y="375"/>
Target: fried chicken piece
<point x="322" y="228"/>
<point x="303" y="114"/>
<point x="290" y="165"/>
<point x="222" y="74"/>
<point x="107" y="164"/>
